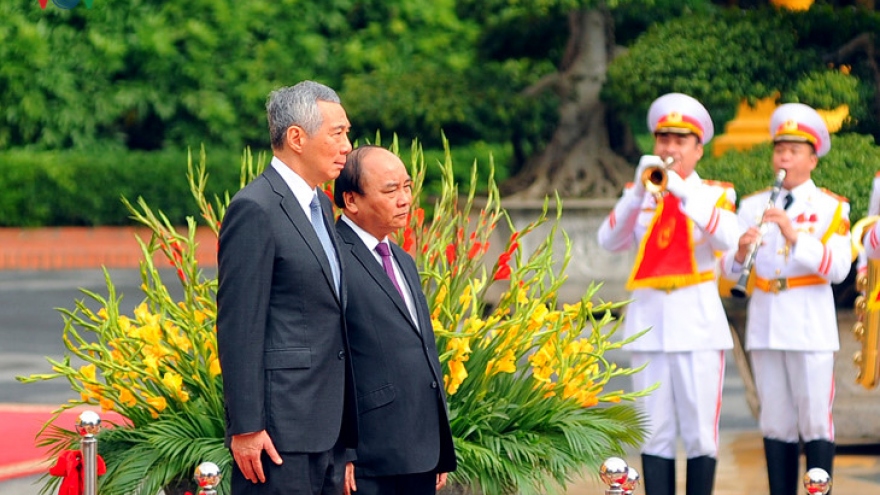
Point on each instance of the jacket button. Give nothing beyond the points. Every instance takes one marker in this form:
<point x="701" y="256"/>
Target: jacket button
<point x="434" y="384"/>
<point x="341" y="355"/>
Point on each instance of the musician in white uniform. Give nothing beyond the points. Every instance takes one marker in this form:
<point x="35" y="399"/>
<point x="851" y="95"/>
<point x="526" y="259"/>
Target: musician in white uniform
<point x="791" y="329"/>
<point x="677" y="233"/>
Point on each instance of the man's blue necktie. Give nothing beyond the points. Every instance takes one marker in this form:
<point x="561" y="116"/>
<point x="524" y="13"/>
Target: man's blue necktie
<point x="324" y="237"/>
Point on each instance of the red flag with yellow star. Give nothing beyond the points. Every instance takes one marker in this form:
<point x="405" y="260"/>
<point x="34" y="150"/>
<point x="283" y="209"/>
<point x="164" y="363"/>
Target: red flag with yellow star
<point x="665" y="260"/>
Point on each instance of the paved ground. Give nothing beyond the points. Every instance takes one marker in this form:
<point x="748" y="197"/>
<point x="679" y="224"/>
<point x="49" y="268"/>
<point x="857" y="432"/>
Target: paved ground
<point x="30" y="328"/>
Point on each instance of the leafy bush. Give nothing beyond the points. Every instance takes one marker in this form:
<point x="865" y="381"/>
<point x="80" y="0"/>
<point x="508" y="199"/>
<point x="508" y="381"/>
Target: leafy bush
<point x="695" y="55"/>
<point x="847" y="169"/>
<point x="62" y="188"/>
<point x="55" y="188"/>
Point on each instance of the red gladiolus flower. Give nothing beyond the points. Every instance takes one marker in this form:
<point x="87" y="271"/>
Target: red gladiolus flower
<point x="503" y="273"/>
<point x="420" y="216"/>
<point x="408" y="240"/>
<point x="450" y="253"/>
<point x="474" y="250"/>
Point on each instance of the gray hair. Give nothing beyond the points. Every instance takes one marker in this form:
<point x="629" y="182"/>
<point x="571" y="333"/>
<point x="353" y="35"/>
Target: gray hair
<point x="296" y="105"/>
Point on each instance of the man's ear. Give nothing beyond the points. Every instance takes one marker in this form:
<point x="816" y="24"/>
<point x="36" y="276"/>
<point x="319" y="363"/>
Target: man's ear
<point x="350" y="203"/>
<point x="295" y="138"/>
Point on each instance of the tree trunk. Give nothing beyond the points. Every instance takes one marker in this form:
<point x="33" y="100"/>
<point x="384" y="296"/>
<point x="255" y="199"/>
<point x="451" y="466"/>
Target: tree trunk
<point x="579" y="160"/>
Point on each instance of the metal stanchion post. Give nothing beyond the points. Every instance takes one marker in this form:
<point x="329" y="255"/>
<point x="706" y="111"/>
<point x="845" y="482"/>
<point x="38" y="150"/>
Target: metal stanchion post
<point x="632" y="481"/>
<point x="207" y="476"/>
<point x="88" y="425"/>
<point x="817" y="481"/>
<point x="614" y="473"/>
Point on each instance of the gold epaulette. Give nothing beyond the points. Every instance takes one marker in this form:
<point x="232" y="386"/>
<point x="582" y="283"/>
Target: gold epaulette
<point x="838" y="197"/>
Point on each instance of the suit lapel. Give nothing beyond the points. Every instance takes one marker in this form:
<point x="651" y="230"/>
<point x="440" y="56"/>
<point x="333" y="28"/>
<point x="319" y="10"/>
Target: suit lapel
<point x="303" y="224"/>
<point x="363" y="255"/>
<point x="413" y="280"/>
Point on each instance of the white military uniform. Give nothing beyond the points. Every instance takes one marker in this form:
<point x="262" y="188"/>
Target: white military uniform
<point x="684" y="349"/>
<point x="792" y="322"/>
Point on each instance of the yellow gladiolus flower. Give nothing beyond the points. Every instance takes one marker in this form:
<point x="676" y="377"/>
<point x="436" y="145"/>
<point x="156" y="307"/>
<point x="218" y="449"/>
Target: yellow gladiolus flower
<point x="465" y="298"/>
<point x="536" y="319"/>
<point x="107" y="405"/>
<point x="151" y="333"/>
<point x="214" y="367"/>
<point x="87" y="372"/>
<point x="200" y="316"/>
<point x="173" y="381"/>
<point x="158" y="404"/>
<point x="505" y="364"/>
<point x="461" y="346"/>
<point x="126" y="398"/>
<point x="141" y="312"/>
<point x="152" y="363"/>
<point x="457" y="375"/>
<point x="103" y="313"/>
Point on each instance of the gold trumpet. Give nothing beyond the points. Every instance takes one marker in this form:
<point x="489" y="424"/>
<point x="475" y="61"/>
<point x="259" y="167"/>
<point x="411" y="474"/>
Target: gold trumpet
<point x="655" y="177"/>
<point x="867" y="328"/>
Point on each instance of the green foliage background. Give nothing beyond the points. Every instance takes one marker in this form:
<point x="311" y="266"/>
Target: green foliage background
<point x="154" y="75"/>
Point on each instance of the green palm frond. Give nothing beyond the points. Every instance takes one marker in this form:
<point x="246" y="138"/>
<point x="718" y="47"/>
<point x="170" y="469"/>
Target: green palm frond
<point x="535" y="456"/>
<point x="145" y="459"/>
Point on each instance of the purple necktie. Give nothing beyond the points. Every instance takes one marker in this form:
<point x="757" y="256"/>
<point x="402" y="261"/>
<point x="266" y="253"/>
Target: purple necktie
<point x="385" y="253"/>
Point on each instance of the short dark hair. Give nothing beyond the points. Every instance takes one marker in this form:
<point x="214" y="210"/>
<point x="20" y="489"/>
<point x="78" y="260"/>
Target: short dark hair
<point x="350" y="177"/>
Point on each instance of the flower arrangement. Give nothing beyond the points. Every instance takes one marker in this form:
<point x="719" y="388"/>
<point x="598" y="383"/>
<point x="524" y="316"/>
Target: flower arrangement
<point x="524" y="374"/>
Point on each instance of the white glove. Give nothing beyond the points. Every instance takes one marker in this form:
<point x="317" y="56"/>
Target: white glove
<point x="677" y="186"/>
<point x="646" y="161"/>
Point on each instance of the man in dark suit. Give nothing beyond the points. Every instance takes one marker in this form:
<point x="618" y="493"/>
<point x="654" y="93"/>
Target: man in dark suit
<point x="405" y="443"/>
<point x="288" y="389"/>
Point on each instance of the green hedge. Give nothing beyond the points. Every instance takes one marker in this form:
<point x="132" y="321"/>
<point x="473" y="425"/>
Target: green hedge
<point x="62" y="188"/>
<point x="80" y="188"/>
<point x="847" y="169"/>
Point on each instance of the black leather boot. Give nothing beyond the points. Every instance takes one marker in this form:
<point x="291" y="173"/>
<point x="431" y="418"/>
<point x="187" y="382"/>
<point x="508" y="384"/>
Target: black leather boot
<point x="700" y="475"/>
<point x="782" y="466"/>
<point x="820" y="454"/>
<point x="658" y="475"/>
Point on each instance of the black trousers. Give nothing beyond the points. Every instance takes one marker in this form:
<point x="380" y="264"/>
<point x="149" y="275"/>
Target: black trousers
<point x="321" y="473"/>
<point x="403" y="484"/>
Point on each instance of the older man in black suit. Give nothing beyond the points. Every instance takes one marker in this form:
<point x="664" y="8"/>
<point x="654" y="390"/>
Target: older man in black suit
<point x="288" y="387"/>
<point x="405" y="443"/>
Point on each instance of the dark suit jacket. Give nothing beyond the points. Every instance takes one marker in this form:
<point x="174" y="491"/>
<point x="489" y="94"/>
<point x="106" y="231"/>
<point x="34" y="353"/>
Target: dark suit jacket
<point x="403" y="427"/>
<point x="280" y="327"/>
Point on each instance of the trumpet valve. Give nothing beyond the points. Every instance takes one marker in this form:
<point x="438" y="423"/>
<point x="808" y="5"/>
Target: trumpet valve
<point x="857" y="360"/>
<point x="862" y="283"/>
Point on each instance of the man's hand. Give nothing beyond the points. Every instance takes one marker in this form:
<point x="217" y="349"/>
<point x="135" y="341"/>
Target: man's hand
<point x="350" y="484"/>
<point x="645" y="162"/>
<point x="780" y="218"/>
<point x="677" y="186"/>
<point x="247" y="449"/>
<point x="441" y="480"/>
<point x="745" y="244"/>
